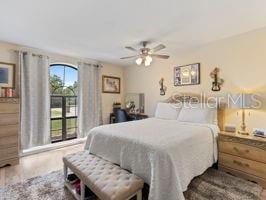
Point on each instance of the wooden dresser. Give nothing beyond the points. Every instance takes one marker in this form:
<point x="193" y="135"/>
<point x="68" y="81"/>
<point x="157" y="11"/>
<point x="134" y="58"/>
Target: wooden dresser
<point x="243" y="156"/>
<point x="9" y="129"/>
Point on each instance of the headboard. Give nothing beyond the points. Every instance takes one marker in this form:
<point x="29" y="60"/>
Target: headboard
<point x="199" y="98"/>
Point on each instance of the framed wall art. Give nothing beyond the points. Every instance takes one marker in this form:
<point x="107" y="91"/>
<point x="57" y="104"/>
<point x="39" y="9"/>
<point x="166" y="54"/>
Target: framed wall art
<point x="7" y="75"/>
<point x="110" y="84"/>
<point x="187" y="75"/>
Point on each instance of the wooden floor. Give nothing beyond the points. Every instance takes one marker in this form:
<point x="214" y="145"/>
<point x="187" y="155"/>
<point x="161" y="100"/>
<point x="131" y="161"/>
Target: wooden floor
<point x="35" y="165"/>
<point x="42" y="163"/>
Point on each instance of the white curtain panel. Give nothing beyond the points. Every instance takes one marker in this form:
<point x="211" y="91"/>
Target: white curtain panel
<point x="35" y="100"/>
<point x="89" y="98"/>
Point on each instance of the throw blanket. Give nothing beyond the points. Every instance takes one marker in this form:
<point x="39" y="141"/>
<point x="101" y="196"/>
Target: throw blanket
<point x="167" y="154"/>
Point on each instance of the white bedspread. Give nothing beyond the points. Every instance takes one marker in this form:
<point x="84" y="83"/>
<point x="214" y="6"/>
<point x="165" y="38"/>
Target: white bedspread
<point x="165" y="153"/>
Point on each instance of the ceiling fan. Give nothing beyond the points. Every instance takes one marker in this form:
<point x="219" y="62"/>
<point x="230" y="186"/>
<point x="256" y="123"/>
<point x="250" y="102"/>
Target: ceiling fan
<point x="144" y="55"/>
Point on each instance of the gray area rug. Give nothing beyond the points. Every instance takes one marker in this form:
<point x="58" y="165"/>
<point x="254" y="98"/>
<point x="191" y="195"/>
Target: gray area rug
<point x="212" y="184"/>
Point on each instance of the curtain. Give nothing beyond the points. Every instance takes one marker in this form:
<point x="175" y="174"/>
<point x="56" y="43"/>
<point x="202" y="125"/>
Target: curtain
<point x="35" y="100"/>
<point x="89" y="98"/>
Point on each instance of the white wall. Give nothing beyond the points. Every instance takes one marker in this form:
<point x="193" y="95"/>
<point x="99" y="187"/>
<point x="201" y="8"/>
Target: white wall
<point x="107" y="98"/>
<point x="242" y="60"/>
<point x="8" y="54"/>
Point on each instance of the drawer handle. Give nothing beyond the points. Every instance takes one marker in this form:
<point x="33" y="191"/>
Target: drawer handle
<point x="240" y="163"/>
<point x="241" y="152"/>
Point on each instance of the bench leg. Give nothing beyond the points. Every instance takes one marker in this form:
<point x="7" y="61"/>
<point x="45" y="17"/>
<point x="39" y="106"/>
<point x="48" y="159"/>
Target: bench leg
<point x="65" y="171"/>
<point x="139" y="195"/>
<point x="82" y="190"/>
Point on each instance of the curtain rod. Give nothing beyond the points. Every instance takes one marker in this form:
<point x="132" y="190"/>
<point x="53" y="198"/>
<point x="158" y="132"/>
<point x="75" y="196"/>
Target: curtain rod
<point x="33" y="54"/>
<point x="92" y="64"/>
<point x="79" y="62"/>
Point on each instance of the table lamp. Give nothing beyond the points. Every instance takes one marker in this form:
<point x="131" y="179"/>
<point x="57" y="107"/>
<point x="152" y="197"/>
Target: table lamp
<point x="245" y="102"/>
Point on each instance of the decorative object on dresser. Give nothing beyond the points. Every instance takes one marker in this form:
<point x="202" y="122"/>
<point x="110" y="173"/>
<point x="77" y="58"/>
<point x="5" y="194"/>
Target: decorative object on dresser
<point x="7" y="74"/>
<point x="9" y="127"/>
<point x="116" y="105"/>
<point x="243" y="155"/>
<point x="135" y="102"/>
<point x="217" y="82"/>
<point x="162" y="87"/>
<point x="110" y="84"/>
<point x="259" y="132"/>
<point x="245" y="101"/>
<point x="187" y="75"/>
<point x="230" y="128"/>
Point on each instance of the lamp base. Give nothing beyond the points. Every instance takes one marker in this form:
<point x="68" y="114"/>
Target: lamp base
<point x="243" y="132"/>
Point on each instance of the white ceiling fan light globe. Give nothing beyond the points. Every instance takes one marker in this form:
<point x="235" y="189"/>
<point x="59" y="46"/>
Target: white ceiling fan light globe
<point x="149" y="59"/>
<point x="147" y="63"/>
<point x="139" y="61"/>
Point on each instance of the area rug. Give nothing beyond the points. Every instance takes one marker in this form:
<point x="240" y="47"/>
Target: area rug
<point x="212" y="184"/>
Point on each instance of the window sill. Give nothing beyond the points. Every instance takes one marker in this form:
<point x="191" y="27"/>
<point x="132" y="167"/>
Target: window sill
<point x="49" y="147"/>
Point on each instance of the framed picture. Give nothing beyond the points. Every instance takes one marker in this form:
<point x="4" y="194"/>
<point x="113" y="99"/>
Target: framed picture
<point x="7" y="75"/>
<point x="187" y="75"/>
<point x="110" y="84"/>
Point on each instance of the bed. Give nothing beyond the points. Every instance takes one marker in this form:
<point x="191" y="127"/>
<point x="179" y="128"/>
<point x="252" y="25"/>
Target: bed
<point x="167" y="154"/>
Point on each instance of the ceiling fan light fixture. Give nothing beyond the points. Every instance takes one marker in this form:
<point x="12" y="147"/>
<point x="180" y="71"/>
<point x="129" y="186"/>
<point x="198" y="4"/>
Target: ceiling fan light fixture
<point x="148" y="59"/>
<point x="147" y="63"/>
<point x="139" y="61"/>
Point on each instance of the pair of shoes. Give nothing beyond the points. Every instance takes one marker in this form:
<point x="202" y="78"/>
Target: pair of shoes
<point x="72" y="178"/>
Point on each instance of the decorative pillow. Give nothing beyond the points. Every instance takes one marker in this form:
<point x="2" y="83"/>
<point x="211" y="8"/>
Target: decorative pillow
<point x="167" y="110"/>
<point x="198" y="113"/>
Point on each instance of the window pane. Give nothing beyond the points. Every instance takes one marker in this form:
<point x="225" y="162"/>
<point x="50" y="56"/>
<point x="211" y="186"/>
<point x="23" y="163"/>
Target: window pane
<point x="56" y="129"/>
<point x="71" y="127"/>
<point x="56" y="79"/>
<point x="56" y="107"/>
<point x="71" y="106"/>
<point x="71" y="76"/>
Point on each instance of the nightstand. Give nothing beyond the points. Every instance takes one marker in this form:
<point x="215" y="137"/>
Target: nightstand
<point x="243" y="156"/>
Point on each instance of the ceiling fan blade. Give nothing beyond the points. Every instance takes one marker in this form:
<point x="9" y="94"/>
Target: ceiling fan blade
<point x="158" y="48"/>
<point x="131" y="49"/>
<point x="128" y="57"/>
<point x="160" y="56"/>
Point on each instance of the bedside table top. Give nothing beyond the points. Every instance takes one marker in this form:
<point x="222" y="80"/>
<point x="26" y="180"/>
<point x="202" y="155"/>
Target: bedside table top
<point x="250" y="140"/>
<point x="240" y="136"/>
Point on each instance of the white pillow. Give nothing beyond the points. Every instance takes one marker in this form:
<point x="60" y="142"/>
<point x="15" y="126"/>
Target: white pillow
<point x="198" y="113"/>
<point x="167" y="110"/>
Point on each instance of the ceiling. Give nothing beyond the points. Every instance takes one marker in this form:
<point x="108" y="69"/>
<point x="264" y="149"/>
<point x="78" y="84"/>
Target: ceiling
<point x="99" y="29"/>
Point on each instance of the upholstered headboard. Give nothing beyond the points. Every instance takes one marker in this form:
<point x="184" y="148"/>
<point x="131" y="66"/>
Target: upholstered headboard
<point x="199" y="98"/>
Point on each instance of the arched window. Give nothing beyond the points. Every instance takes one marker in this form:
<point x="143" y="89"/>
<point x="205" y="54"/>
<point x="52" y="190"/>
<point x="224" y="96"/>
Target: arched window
<point x="63" y="90"/>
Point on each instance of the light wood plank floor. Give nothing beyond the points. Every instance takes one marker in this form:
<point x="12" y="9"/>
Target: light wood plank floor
<point x="42" y="163"/>
<point x="37" y="164"/>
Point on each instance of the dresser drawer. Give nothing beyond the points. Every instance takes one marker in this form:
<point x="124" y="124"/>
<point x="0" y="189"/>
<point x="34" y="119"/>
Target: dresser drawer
<point x="8" y="130"/>
<point x="8" y="119"/>
<point x="243" y="151"/>
<point x="12" y="161"/>
<point x="7" y="142"/>
<point x="9" y="108"/>
<point x="248" y="166"/>
<point x="8" y="153"/>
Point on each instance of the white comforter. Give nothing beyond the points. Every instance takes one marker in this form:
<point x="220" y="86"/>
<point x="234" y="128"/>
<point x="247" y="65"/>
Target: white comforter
<point x="165" y="153"/>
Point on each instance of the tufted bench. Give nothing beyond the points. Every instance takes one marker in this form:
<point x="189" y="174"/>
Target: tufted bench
<point x="107" y="180"/>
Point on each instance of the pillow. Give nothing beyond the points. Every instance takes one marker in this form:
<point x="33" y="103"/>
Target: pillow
<point x="167" y="110"/>
<point x="198" y="113"/>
